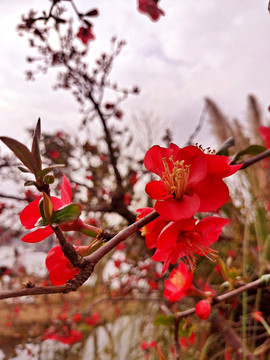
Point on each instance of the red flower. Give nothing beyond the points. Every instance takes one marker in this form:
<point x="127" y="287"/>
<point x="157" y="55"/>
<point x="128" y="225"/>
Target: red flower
<point x="150" y="8"/>
<point x="184" y="342"/>
<point x="85" y="34"/>
<point x="186" y="237"/>
<point x="77" y="317"/>
<point x="152" y="230"/>
<point x="30" y="214"/>
<point x="179" y="283"/>
<point x="65" y="337"/>
<point x="148" y="345"/>
<point x="203" y="309"/>
<point x="191" y="180"/>
<point x="93" y="319"/>
<point x="257" y="315"/>
<point x="59" y="267"/>
<point x="264" y="131"/>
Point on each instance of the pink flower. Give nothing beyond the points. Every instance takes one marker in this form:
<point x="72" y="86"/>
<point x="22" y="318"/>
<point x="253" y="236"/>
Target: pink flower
<point x="191" y="180"/>
<point x="186" y="237"/>
<point x="150" y="8"/>
<point x="203" y="309"/>
<point x="179" y="283"/>
<point x="85" y="34"/>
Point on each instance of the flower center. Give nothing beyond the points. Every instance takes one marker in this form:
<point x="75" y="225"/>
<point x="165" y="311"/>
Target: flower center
<point x="178" y="280"/>
<point x="176" y="179"/>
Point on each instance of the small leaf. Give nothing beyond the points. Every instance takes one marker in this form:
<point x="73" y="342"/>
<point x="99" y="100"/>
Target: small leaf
<point x="22" y="153"/>
<point x="223" y="150"/>
<point x="183" y="330"/>
<point x="48" y="179"/>
<point x="163" y="320"/>
<point x="35" y="145"/>
<point x="93" y="12"/>
<point x="45" y="171"/>
<point x="250" y="150"/>
<point x="41" y="222"/>
<point x="30" y="183"/>
<point x="48" y="207"/>
<point x="41" y="209"/>
<point x="24" y="170"/>
<point x="67" y="213"/>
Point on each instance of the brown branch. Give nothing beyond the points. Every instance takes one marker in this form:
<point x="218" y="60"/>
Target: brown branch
<point x="87" y="265"/>
<point x="68" y="249"/>
<point x="176" y="338"/>
<point x="262" y="282"/>
<point x="32" y="291"/>
<point x="5" y="196"/>
<point x="121" y="236"/>
<point x="255" y="159"/>
<point x="235" y="342"/>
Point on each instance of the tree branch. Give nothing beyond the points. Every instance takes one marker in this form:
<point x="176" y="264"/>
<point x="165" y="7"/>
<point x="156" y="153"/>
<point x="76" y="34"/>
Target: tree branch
<point x="262" y="282"/>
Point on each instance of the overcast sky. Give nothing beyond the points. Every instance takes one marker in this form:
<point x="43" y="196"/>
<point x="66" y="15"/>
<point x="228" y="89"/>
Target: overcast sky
<point x="214" y="48"/>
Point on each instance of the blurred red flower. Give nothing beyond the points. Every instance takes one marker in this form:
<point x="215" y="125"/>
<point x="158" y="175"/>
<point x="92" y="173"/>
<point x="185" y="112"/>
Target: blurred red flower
<point x="66" y="337"/>
<point x="93" y="319"/>
<point x="203" y="309"/>
<point x="191" y="180"/>
<point x="85" y="34"/>
<point x="179" y="283"/>
<point x="150" y="8"/>
<point x="264" y="131"/>
<point x="59" y="267"/>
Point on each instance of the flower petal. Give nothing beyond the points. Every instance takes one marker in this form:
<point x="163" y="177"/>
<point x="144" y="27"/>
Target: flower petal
<point x="66" y="192"/>
<point x="153" y="159"/>
<point x="30" y="214"/>
<point x="156" y="190"/>
<point x="213" y="193"/>
<point x="173" y="210"/>
<point x="38" y="235"/>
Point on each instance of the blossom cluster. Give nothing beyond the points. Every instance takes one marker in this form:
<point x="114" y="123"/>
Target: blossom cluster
<point x="190" y="182"/>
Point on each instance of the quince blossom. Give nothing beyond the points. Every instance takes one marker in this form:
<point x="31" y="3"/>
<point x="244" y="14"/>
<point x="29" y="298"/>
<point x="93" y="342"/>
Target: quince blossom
<point x="150" y="8"/>
<point x="187" y="238"/>
<point x="179" y="283"/>
<point x="191" y="180"/>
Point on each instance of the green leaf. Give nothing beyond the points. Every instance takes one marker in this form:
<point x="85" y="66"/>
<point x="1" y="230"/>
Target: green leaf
<point x="24" y="170"/>
<point x="223" y="150"/>
<point x="67" y="213"/>
<point x="30" y="183"/>
<point x="22" y="153"/>
<point x="41" y="222"/>
<point x="48" y="179"/>
<point x="45" y="171"/>
<point x="41" y="209"/>
<point x="163" y="320"/>
<point x="183" y="330"/>
<point x="250" y="150"/>
<point x="35" y="146"/>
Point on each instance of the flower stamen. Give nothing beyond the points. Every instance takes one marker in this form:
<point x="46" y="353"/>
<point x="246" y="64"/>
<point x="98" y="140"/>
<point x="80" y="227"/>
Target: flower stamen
<point x="175" y="179"/>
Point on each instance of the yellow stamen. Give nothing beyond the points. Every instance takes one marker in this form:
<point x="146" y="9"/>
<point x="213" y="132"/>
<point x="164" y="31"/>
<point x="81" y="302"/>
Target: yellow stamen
<point x="175" y="180"/>
<point x="178" y="280"/>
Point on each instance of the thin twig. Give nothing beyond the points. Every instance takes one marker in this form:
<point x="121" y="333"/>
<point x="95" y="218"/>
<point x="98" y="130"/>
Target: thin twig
<point x="263" y="281"/>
